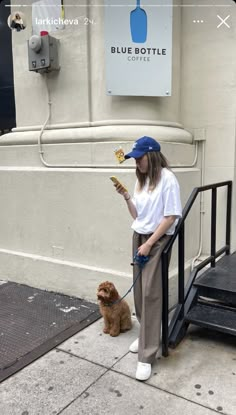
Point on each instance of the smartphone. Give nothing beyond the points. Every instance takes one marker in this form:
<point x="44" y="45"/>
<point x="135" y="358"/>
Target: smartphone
<point x="116" y="181"/>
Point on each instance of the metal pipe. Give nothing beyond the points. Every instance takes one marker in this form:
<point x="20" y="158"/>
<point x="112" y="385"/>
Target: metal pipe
<point x="228" y="217"/>
<point x="181" y="255"/>
<point x="165" y="311"/>
<point x="213" y="226"/>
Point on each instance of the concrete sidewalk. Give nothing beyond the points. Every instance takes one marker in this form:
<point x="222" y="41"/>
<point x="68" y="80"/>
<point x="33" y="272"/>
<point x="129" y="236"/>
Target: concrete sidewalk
<point x="94" y="374"/>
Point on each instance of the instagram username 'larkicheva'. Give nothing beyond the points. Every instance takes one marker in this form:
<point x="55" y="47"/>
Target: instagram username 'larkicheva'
<point x="76" y="21"/>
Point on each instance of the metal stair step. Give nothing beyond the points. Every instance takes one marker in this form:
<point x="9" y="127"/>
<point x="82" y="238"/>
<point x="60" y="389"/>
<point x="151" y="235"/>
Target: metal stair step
<point x="218" y="278"/>
<point x="218" y="283"/>
<point x="213" y="317"/>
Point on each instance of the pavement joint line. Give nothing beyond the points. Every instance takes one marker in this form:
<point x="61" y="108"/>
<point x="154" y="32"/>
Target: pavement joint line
<point x="118" y="360"/>
<point x="83" y="358"/>
<point x="84" y="391"/>
<point x="171" y="393"/>
<point x="147" y="384"/>
<point x="111" y="369"/>
<point x="91" y="361"/>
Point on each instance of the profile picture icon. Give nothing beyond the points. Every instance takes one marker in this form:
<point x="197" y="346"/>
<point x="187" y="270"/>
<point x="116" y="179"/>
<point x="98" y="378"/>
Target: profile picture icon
<point x="16" y="21"/>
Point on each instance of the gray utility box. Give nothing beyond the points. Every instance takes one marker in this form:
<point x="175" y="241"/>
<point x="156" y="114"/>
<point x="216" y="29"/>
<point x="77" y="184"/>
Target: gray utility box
<point x="43" y="53"/>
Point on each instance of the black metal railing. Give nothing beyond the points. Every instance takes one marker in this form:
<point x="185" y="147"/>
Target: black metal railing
<point x="180" y="232"/>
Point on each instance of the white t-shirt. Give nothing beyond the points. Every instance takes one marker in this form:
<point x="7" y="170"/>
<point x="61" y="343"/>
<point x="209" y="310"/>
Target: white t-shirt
<point x="153" y="205"/>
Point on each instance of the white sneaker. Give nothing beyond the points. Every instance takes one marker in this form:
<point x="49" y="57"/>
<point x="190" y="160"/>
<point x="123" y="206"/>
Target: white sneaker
<point x="143" y="371"/>
<point x="134" y="347"/>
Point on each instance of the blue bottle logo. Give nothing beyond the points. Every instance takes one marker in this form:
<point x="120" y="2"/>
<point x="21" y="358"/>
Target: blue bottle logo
<point x="138" y="24"/>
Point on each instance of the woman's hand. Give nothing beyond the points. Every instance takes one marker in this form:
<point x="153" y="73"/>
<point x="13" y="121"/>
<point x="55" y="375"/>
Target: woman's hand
<point x="144" y="249"/>
<point x="122" y="191"/>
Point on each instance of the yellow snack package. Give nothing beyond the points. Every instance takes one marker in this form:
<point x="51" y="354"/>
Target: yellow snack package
<point x="120" y="155"/>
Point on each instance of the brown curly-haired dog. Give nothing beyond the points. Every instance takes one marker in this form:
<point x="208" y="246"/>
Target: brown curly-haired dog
<point x="116" y="314"/>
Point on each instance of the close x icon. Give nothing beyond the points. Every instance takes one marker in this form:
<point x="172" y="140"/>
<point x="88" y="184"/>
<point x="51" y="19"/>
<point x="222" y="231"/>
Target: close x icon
<point x="223" y="21"/>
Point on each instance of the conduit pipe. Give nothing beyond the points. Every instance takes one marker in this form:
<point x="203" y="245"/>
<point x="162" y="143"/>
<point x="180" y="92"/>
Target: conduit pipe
<point x="202" y="208"/>
<point x="83" y="166"/>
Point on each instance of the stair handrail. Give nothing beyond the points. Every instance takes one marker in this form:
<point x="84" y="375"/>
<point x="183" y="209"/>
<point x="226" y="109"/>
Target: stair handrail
<point x="179" y="231"/>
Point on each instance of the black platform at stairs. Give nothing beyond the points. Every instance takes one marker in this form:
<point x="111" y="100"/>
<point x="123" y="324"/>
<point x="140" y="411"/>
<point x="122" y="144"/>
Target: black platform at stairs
<point x="220" y="282"/>
<point x="214" y="306"/>
<point x="34" y="321"/>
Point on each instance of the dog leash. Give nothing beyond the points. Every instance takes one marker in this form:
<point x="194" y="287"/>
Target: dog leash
<point x="141" y="261"/>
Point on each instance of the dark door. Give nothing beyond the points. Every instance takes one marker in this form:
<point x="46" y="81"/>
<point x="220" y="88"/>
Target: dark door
<point x="7" y="99"/>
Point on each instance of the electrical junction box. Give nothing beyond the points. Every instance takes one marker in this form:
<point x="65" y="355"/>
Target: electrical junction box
<point x="43" y="53"/>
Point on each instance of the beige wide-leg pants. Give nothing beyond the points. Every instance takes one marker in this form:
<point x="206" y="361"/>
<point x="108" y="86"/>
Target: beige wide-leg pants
<point x="148" y="298"/>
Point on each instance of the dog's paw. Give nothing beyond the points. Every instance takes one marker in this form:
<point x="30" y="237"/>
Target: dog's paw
<point x="114" y="333"/>
<point x="106" y="330"/>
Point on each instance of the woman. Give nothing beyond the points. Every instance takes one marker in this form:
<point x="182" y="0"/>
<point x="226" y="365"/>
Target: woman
<point x="17" y="22"/>
<point x="155" y="208"/>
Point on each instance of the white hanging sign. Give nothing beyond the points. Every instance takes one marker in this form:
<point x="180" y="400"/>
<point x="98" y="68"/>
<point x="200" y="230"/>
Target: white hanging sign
<point x="138" y="43"/>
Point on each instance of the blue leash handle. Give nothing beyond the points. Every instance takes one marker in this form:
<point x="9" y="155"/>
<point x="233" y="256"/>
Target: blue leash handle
<point x="141" y="261"/>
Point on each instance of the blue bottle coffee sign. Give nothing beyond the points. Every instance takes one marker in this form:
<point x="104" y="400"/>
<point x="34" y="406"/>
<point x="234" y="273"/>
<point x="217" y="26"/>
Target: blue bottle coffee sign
<point x="138" y="24"/>
<point x="138" y="44"/>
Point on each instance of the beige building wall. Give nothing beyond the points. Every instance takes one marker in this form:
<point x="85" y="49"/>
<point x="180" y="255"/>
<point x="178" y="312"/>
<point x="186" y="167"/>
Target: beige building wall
<point x="63" y="227"/>
<point x="209" y="97"/>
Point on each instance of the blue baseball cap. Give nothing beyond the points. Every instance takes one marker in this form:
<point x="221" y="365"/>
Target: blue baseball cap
<point x="142" y="146"/>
